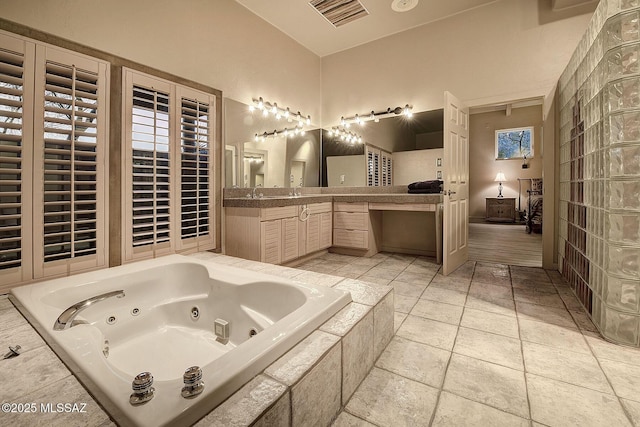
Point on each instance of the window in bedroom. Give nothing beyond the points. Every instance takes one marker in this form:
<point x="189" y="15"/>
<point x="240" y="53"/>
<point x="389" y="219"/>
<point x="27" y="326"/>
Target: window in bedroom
<point x="514" y="143"/>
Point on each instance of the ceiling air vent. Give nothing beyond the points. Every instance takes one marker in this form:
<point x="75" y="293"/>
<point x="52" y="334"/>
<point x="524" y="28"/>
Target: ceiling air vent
<point x="339" y="12"/>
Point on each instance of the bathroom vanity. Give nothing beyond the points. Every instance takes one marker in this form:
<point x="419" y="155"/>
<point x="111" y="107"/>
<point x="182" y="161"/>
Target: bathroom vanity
<point x="280" y="229"/>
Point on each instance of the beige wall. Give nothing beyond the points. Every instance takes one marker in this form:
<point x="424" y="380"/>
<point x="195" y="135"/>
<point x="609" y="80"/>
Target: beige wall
<point x="351" y="168"/>
<point x="504" y="51"/>
<point x="213" y="42"/>
<point x="483" y="166"/>
<point x="419" y="165"/>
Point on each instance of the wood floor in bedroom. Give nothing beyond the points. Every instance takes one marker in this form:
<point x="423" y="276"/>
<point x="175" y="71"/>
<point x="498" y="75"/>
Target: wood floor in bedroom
<point x="504" y="244"/>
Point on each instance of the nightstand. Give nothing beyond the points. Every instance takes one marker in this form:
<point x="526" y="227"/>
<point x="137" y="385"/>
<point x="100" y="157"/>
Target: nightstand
<point x="501" y="209"/>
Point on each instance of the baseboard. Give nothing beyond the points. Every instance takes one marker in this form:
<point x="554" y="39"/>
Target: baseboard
<point x="408" y="251"/>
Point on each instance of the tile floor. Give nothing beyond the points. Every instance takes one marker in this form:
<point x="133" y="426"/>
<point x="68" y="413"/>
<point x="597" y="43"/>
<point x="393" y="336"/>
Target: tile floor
<point x="490" y="345"/>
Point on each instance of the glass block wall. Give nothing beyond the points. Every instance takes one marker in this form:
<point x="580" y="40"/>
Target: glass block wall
<point x="599" y="233"/>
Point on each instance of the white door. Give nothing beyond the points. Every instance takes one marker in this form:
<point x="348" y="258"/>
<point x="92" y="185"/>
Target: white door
<point x="455" y="236"/>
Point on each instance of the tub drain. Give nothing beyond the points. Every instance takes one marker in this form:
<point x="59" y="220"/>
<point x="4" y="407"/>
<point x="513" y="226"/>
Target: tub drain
<point x="253" y="332"/>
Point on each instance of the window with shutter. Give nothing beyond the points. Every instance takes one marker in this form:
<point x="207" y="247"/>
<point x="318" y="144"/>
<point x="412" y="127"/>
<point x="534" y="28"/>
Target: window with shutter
<point x="15" y="157"/>
<point x="195" y="173"/>
<point x="168" y="167"/>
<point x="69" y="162"/>
<point x="52" y="157"/>
<point x="150" y="167"/>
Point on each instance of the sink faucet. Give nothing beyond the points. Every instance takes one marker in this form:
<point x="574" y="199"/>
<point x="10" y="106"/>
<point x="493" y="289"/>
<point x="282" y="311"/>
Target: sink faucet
<point x="297" y="191"/>
<point x="65" y="320"/>
<point x="253" y="191"/>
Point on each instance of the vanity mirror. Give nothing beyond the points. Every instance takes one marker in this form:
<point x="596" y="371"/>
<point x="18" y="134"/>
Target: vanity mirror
<point x="317" y="158"/>
<point x="262" y="150"/>
<point x="344" y="163"/>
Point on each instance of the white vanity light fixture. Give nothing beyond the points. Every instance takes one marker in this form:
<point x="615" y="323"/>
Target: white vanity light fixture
<point x="298" y="130"/>
<point x="345" y="135"/>
<point x="272" y="108"/>
<point x="376" y="116"/>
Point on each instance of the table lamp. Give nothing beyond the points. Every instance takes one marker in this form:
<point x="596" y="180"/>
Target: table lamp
<point x="499" y="178"/>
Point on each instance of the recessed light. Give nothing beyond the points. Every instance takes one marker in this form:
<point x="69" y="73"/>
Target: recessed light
<point x="403" y="5"/>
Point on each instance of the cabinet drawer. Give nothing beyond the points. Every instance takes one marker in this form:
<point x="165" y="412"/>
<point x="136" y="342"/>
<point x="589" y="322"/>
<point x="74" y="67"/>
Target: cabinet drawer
<point x="358" y="239"/>
<point x="351" y="206"/>
<point x="268" y="214"/>
<point x="351" y="220"/>
<point x="315" y="208"/>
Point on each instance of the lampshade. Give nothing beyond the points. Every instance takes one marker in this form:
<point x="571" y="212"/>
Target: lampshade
<point x="500" y="177"/>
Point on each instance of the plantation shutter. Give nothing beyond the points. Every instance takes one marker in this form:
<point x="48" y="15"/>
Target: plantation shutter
<point x="70" y="161"/>
<point x="168" y="154"/>
<point x="149" y="159"/>
<point x="16" y="144"/>
<point x="196" y="174"/>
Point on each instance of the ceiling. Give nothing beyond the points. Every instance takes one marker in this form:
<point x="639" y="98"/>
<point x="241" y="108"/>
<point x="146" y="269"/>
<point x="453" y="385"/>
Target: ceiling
<point x="303" y="23"/>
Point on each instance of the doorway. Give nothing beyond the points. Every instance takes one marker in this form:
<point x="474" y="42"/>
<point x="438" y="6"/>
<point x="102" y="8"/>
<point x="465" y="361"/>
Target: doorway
<point x="505" y="180"/>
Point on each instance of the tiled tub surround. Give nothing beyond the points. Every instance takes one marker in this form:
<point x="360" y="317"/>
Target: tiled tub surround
<point x="154" y="330"/>
<point x="310" y="382"/>
<point x="599" y="228"/>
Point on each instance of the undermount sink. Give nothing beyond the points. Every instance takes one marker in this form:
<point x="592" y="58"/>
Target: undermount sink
<point x="278" y="197"/>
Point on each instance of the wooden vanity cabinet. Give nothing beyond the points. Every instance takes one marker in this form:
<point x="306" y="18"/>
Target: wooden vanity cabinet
<point x="262" y="234"/>
<point x="279" y="234"/>
<point x="318" y="227"/>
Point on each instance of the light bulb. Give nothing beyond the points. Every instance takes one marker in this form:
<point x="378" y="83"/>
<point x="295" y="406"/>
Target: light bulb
<point x="342" y="121"/>
<point x="360" y="140"/>
<point x="286" y="132"/>
<point x="372" y="116"/>
<point x="265" y="113"/>
<point x="330" y="133"/>
<point x="256" y="137"/>
<point x="287" y="112"/>
<point x="251" y="108"/>
<point x="308" y="120"/>
<point x="298" y="117"/>
<point x="260" y="103"/>
<point x="275" y="133"/>
<point x="302" y="132"/>
<point x="274" y="109"/>
<point x="278" y="116"/>
<point x="407" y="111"/>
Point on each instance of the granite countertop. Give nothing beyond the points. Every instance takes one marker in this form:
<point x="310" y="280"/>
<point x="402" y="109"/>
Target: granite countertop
<point x="275" y="201"/>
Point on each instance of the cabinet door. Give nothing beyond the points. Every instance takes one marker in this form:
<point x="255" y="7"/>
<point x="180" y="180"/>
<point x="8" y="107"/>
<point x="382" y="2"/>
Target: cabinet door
<point x="313" y="233"/>
<point x="326" y="230"/>
<point x="494" y="210"/>
<point x="271" y="241"/>
<point x="289" y="239"/>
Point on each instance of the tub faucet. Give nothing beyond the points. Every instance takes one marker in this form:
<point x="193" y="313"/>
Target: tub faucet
<point x="65" y="320"/>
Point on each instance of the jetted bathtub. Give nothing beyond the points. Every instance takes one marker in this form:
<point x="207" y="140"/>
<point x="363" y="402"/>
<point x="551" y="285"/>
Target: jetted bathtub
<point x="166" y="323"/>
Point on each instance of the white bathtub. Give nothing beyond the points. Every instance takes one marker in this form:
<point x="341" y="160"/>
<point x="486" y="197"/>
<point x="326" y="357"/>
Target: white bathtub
<point x="152" y="329"/>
